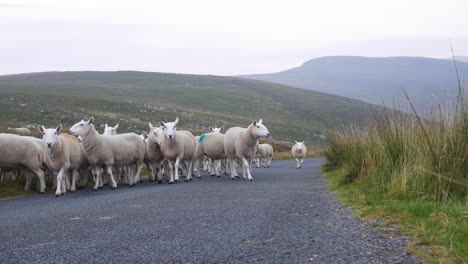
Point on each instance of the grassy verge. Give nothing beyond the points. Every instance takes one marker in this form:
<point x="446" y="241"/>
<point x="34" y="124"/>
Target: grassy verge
<point x="439" y="230"/>
<point x="409" y="171"/>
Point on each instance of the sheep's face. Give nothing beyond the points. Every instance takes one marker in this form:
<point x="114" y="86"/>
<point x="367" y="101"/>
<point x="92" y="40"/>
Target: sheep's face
<point x="81" y="127"/>
<point x="300" y="144"/>
<point x="50" y="135"/>
<point x="109" y="130"/>
<point x="156" y="134"/>
<point x="216" y="129"/>
<point x="259" y="130"/>
<point x="170" y="129"/>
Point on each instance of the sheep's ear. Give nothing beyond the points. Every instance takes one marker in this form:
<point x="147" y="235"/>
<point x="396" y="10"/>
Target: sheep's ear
<point x="254" y="122"/>
<point x="260" y="121"/>
<point x="221" y="128"/>
<point x="296" y="141"/>
<point x="176" y="121"/>
<point x="150" y="125"/>
<point x="59" y="129"/>
<point x="91" y="120"/>
<point x="211" y="129"/>
<point x="105" y="125"/>
<point x="40" y="128"/>
<point x="162" y="124"/>
<point x="116" y="126"/>
<point x="302" y="142"/>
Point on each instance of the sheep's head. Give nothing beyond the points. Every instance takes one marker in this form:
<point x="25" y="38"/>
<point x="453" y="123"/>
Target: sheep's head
<point x="109" y="130"/>
<point x="217" y="129"/>
<point x="50" y="135"/>
<point x="155" y="134"/>
<point x="81" y="127"/>
<point x="300" y="144"/>
<point x="170" y="129"/>
<point x="259" y="130"/>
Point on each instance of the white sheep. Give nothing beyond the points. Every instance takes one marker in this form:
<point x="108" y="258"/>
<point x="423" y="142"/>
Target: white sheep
<point x="110" y="131"/>
<point x="23" y="152"/>
<point x="106" y="151"/>
<point x="64" y="156"/>
<point x="210" y="146"/>
<point x="264" y="155"/>
<point x="22" y="131"/>
<point x="177" y="146"/>
<point x="153" y="153"/>
<point x="240" y="143"/>
<point x="299" y="151"/>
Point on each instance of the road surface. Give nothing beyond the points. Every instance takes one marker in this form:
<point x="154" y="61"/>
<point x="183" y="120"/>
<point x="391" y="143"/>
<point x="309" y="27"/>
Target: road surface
<point x="286" y="215"/>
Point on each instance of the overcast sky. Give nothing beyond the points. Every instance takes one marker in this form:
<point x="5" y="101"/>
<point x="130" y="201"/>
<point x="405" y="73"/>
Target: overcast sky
<point x="221" y="37"/>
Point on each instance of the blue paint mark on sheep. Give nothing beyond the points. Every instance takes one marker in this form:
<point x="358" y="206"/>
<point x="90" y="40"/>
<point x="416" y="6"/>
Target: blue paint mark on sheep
<point x="202" y="137"/>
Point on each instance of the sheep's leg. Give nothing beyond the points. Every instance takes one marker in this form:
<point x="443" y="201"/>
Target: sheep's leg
<point x="176" y="165"/>
<point x="226" y="165"/>
<point x="197" y="167"/>
<point x="74" y="175"/>
<point x="2" y="175"/>
<point x="27" y="186"/>
<point x="98" y="172"/>
<point x="111" y="177"/>
<point x="171" y="172"/>
<point x="160" y="171"/>
<point x="233" y="168"/>
<point x="189" y="172"/>
<point x="54" y="180"/>
<point x="218" y="168"/>
<point x="302" y="161"/>
<point x="139" y="165"/>
<point x="151" y="173"/>
<point x="245" y="169"/>
<point x="60" y="183"/>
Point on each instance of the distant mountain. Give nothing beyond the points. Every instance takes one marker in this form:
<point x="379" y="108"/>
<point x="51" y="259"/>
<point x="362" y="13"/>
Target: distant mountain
<point x="375" y="79"/>
<point x="134" y="98"/>
<point x="461" y="58"/>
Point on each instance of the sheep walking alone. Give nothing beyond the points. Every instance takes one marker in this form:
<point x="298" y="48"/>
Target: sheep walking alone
<point x="241" y="143"/>
<point x="107" y="151"/>
<point x="299" y="151"/>
<point x="63" y="156"/>
<point x="177" y="147"/>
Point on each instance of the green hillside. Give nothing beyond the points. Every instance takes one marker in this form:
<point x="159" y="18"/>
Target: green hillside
<point x="133" y="98"/>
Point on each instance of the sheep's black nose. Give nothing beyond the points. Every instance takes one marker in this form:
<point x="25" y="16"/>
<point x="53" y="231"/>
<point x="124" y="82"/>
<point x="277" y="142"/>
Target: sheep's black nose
<point x="170" y="136"/>
<point x="268" y="134"/>
<point x="49" y="145"/>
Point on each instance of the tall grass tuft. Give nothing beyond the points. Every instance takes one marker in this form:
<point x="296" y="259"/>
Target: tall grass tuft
<point x="405" y="156"/>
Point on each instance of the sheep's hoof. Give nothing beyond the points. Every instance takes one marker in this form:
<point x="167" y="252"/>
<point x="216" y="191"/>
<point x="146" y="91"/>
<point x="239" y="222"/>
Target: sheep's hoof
<point x="176" y="181"/>
<point x="212" y="175"/>
<point x="190" y="179"/>
<point x="250" y="180"/>
<point x="95" y="189"/>
<point x="199" y="177"/>
<point x="100" y="187"/>
<point x="187" y="180"/>
<point x="131" y="185"/>
<point x="42" y="192"/>
<point x="219" y="176"/>
<point x="57" y="195"/>
<point x="232" y="179"/>
<point x="159" y="181"/>
<point x="113" y="188"/>
<point x="171" y="182"/>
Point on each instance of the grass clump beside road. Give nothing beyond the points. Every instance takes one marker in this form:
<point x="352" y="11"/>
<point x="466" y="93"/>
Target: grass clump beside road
<point x="411" y="172"/>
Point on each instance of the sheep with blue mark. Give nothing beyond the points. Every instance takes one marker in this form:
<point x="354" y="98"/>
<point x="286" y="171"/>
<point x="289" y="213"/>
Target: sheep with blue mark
<point x="211" y="145"/>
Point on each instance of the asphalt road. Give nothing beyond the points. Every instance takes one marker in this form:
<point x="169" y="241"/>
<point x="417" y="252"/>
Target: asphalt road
<point x="285" y="216"/>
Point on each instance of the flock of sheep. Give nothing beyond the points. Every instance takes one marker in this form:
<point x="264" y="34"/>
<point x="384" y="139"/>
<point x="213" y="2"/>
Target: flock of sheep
<point x="73" y="157"/>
